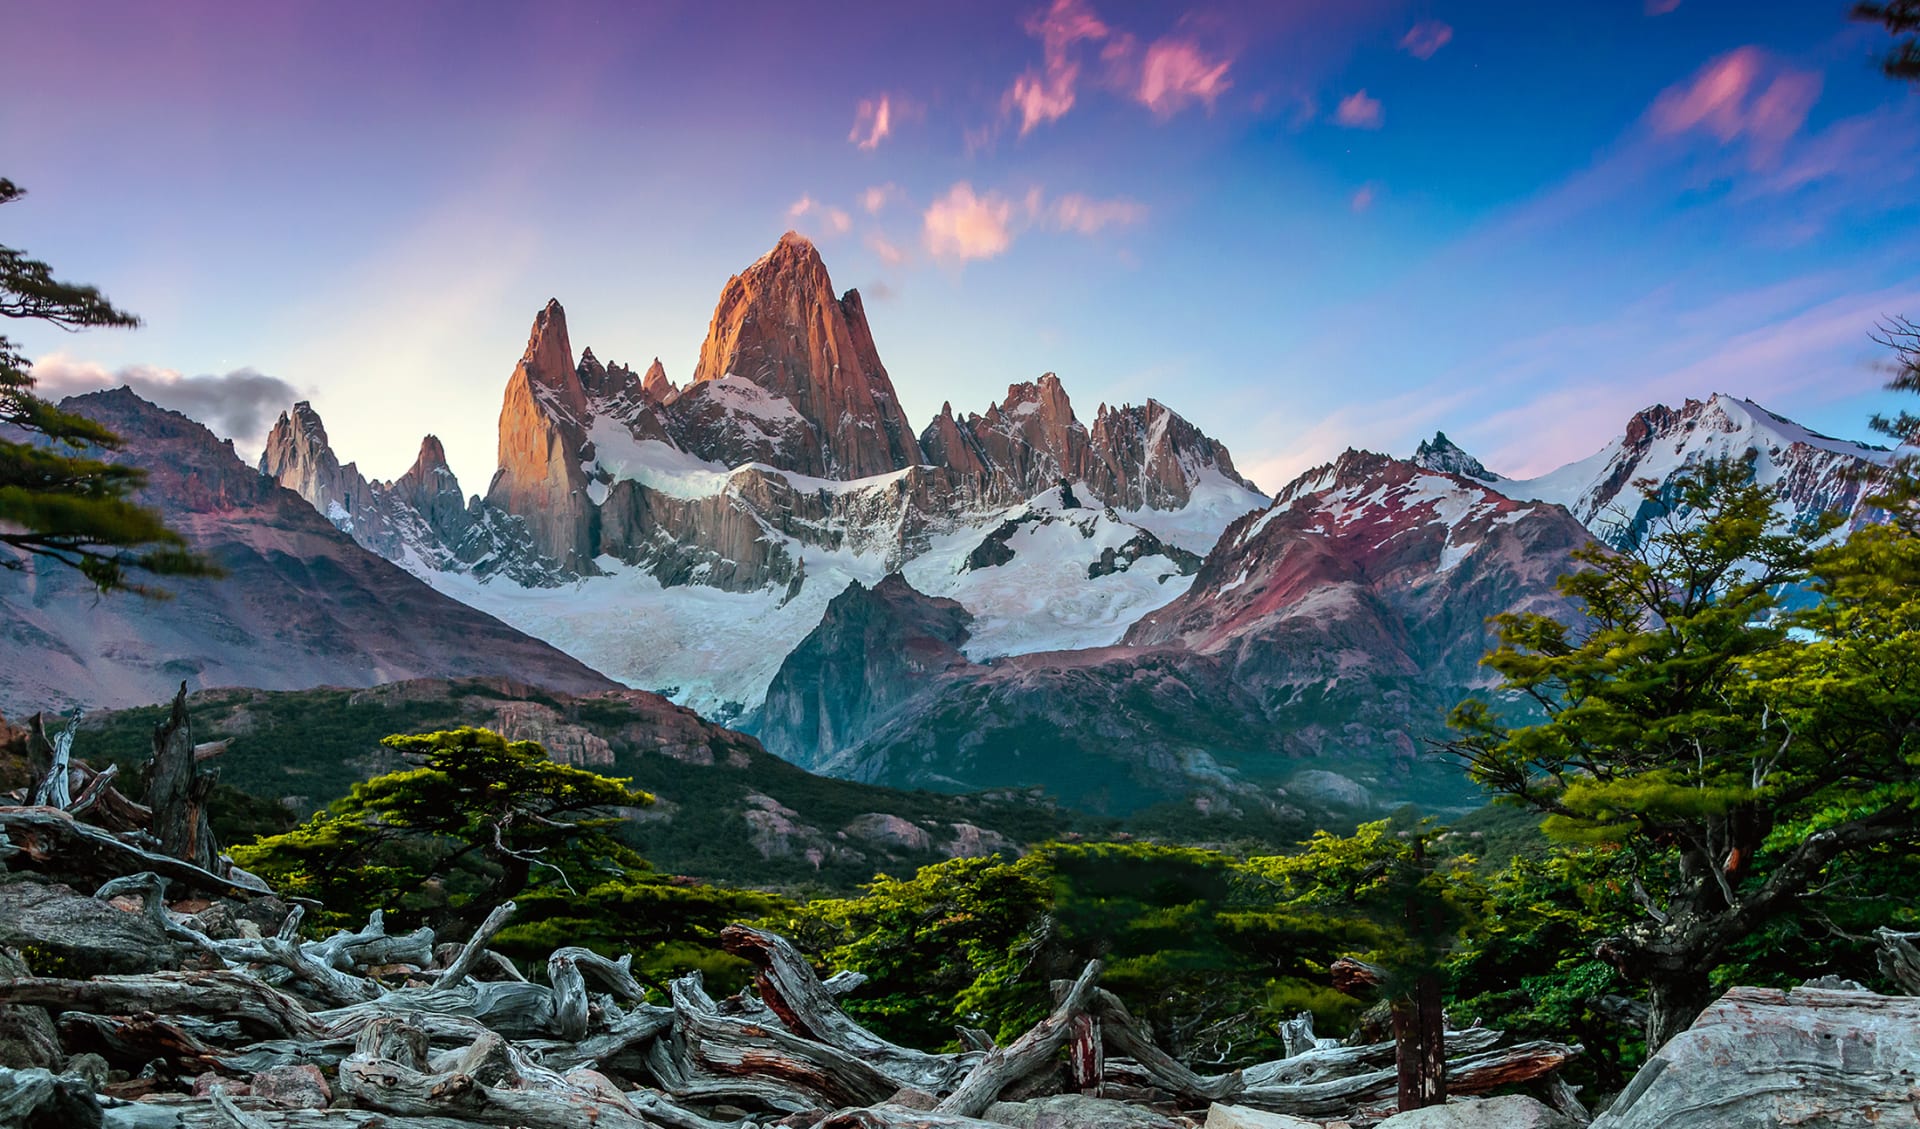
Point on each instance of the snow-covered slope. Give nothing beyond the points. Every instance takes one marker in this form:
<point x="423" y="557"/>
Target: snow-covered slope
<point x="1813" y="473"/>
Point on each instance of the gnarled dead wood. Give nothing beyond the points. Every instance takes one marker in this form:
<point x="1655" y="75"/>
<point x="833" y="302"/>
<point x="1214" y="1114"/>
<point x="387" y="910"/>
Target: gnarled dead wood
<point x="177" y="790"/>
<point x="54" y="842"/>
<point x="1339" y="1061"/>
<point x="1473" y="1074"/>
<point x="1899" y="959"/>
<point x="900" y="1117"/>
<point x="469" y="955"/>
<point x="131" y="1042"/>
<point x="53" y="788"/>
<point x="1002" y="1066"/>
<point x="1126" y="1036"/>
<point x="516" y="1010"/>
<point x="789" y="986"/>
<point x="224" y="994"/>
<point x="38" y="1097"/>
<point x="724" y="1045"/>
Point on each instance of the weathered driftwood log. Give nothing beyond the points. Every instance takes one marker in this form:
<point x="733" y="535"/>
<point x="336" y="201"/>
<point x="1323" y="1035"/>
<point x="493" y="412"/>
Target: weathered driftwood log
<point x="516" y="1010"/>
<point x="724" y="1045"/>
<point x="53" y="788"/>
<point x="802" y="1001"/>
<point x="1474" y="1074"/>
<point x="225" y="994"/>
<point x="131" y="1042"/>
<point x="1342" y="1061"/>
<point x="151" y="888"/>
<point x="1899" y="959"/>
<point x="463" y="964"/>
<point x="177" y="790"/>
<point x="900" y="1117"/>
<point x="1002" y="1066"/>
<point x="54" y="842"/>
<point x="389" y="1072"/>
<point x="1125" y="1036"/>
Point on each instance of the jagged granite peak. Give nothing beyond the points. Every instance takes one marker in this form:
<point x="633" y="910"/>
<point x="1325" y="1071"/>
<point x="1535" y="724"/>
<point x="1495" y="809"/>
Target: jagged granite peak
<point x="949" y="443"/>
<point x="1811" y="473"/>
<point x="789" y="375"/>
<point x="301" y="604"/>
<point x="543" y="422"/>
<point x="1443" y="454"/>
<point x="430" y="488"/>
<point x="656" y="385"/>
<point x="1151" y="457"/>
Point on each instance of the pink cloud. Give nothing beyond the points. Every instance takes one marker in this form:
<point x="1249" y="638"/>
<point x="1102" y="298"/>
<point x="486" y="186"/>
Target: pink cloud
<point x="832" y="219"/>
<point x="1661" y="7"/>
<point x="885" y="250"/>
<point x="961" y="226"/>
<point x="1175" y="74"/>
<point x="1742" y="95"/>
<point x="1047" y="94"/>
<point x="1363" y="197"/>
<point x="877" y="197"/>
<point x="1085" y="215"/>
<point x="1357" y="111"/>
<point x="872" y="122"/>
<point x="1426" y="38"/>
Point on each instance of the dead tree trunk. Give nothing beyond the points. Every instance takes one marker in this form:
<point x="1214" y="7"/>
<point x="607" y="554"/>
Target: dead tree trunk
<point x="177" y="790"/>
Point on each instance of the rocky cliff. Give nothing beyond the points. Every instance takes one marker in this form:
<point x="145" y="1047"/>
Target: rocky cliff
<point x="301" y="605"/>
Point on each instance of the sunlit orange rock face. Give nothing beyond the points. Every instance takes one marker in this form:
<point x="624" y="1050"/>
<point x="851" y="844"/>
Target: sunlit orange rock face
<point x="542" y="432"/>
<point x="779" y="327"/>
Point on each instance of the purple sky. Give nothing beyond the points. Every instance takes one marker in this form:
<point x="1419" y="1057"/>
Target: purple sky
<point x="1304" y="226"/>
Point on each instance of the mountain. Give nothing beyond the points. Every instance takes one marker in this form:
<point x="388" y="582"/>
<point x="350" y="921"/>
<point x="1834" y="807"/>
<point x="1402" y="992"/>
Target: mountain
<point x="686" y="538"/>
<point x="302" y="603"/>
<point x="1812" y="473"/>
<point x="1321" y="641"/>
<point x="1443" y="454"/>
<point x="725" y="809"/>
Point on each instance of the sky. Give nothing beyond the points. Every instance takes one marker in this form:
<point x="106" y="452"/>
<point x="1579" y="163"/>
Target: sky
<point x="1304" y="226"/>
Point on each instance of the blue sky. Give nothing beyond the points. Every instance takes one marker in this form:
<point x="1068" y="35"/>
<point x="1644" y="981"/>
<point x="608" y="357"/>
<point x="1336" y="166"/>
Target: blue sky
<point x="1304" y="226"/>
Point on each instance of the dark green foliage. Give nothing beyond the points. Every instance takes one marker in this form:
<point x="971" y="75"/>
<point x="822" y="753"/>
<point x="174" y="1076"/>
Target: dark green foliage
<point x="57" y="501"/>
<point x="1900" y="18"/>
<point x="1199" y="944"/>
<point x="1730" y="758"/>
<point x="479" y="821"/>
<point x="1899" y="486"/>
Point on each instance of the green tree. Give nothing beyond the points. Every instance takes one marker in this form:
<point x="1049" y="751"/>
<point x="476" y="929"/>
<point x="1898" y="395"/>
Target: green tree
<point x="57" y="501"/>
<point x="1659" y="744"/>
<point x="1900" y="18"/>
<point x="1898" y="486"/>
<point x="479" y="821"/>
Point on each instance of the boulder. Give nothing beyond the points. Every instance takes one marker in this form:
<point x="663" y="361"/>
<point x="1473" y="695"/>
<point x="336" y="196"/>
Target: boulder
<point x="1222" y="1116"/>
<point x="1509" y="1111"/>
<point x="64" y="933"/>
<point x="293" y="1086"/>
<point x="1763" y="1057"/>
<point x="1075" y="1111"/>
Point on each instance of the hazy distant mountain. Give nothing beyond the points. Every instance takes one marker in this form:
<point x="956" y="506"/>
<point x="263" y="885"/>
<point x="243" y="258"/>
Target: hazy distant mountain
<point x="302" y="604"/>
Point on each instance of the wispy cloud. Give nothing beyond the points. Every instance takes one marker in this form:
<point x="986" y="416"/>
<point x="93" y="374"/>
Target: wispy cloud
<point x="239" y="405"/>
<point x="885" y="250"/>
<point x="1176" y="73"/>
<point x="1358" y="111"/>
<point x="1363" y="197"/>
<point x="1661" y="7"/>
<point x="877" y="197"/>
<point x="1424" y="39"/>
<point x="1742" y="96"/>
<point x="961" y="225"/>
<point x="872" y="122"/>
<point x="1085" y="215"/>
<point x="826" y="218"/>
<point x="1045" y="95"/>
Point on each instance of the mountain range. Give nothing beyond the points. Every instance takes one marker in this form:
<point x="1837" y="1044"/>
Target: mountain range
<point x="1105" y="610"/>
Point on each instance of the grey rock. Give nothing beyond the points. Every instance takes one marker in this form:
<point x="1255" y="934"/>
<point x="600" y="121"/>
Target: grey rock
<point x="64" y="933"/>
<point x="1075" y="1111"/>
<point x="1760" y="1057"/>
<point x="1509" y="1111"/>
<point x="1223" y="1116"/>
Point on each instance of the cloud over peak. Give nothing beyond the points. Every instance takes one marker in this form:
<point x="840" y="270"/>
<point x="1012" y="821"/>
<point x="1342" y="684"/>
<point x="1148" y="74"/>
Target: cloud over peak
<point x="239" y="405"/>
<point x="825" y="217"/>
<point x="961" y="225"/>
